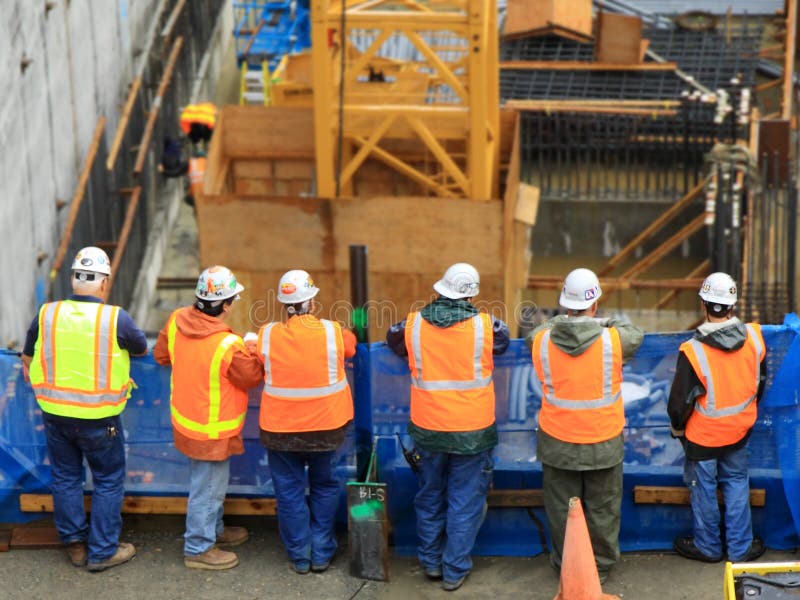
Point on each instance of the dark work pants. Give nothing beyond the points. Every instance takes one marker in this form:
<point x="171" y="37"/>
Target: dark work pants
<point x="600" y="492"/>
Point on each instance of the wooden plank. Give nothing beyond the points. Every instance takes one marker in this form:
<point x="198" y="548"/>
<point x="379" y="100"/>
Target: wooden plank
<point x="700" y="270"/>
<point x="619" y="38"/>
<point x="294" y="169"/>
<point x="531" y="17"/>
<point x="34" y="537"/>
<point x="792" y="17"/>
<point x="123" y="123"/>
<point x="5" y="539"/>
<point x="142" y="505"/>
<point x="515" y="498"/>
<point x="651" y="494"/>
<point x="580" y="65"/>
<point x="77" y="198"/>
<point x="280" y="132"/>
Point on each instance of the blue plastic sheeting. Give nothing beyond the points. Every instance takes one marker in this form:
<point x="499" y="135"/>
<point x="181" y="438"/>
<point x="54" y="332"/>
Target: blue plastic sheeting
<point x="381" y="387"/>
<point x="282" y="28"/>
<point x="154" y="466"/>
<point x="652" y="457"/>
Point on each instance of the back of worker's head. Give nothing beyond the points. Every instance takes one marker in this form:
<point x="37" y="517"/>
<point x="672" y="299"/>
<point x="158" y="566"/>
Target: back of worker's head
<point x="90" y="270"/>
<point x="581" y="290"/>
<point x="460" y="280"/>
<point x="216" y="288"/>
<point x="719" y="296"/>
<point x="296" y="290"/>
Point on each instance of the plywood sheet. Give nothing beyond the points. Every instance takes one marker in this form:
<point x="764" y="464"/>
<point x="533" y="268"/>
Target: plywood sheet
<point x="264" y="233"/>
<point x="619" y="38"/>
<point x="535" y="17"/>
<point x="267" y="131"/>
<point x="419" y="234"/>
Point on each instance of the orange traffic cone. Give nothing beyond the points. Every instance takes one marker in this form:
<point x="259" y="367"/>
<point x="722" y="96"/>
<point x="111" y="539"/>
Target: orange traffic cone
<point x="579" y="578"/>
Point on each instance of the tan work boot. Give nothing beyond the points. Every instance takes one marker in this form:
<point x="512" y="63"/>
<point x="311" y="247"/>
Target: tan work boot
<point x="213" y="560"/>
<point x="232" y="536"/>
<point x="124" y="553"/>
<point x="77" y="552"/>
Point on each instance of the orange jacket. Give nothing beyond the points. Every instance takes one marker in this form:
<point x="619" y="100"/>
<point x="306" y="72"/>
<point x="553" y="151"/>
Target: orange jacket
<point x="451" y="373"/>
<point x="237" y="371"/>
<point x="581" y="397"/>
<point x="305" y="387"/>
<point x="726" y="412"/>
<point x="197" y="171"/>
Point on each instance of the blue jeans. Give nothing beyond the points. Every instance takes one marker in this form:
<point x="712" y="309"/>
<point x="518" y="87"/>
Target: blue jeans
<point x="208" y="484"/>
<point x="731" y="473"/>
<point x="450" y="506"/>
<point x="104" y="449"/>
<point x="306" y="526"/>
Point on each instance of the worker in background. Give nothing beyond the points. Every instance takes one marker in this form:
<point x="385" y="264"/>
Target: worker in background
<point x="77" y="356"/>
<point x="449" y="345"/>
<point x="212" y="369"/>
<point x="719" y="377"/>
<point x="578" y="359"/>
<point x="306" y="409"/>
<point x="197" y="122"/>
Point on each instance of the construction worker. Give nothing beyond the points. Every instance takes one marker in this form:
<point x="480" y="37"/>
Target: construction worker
<point x="77" y="356"/>
<point x="212" y="369"/>
<point x="449" y="345"/>
<point x="197" y="121"/>
<point x="578" y="359"/>
<point x="719" y="377"/>
<point x="306" y="409"/>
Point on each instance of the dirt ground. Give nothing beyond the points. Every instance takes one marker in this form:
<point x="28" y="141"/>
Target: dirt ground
<point x="264" y="572"/>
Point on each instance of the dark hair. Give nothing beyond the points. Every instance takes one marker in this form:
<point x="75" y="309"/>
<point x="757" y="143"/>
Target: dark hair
<point x="717" y="310"/>
<point x="205" y="307"/>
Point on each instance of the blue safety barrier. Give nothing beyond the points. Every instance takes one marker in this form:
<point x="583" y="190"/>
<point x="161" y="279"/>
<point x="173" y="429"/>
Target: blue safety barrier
<point x="381" y="387"/>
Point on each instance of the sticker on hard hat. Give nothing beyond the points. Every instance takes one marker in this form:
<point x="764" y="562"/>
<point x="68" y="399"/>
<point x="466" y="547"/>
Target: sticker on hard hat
<point x="288" y="288"/>
<point x="589" y="294"/>
<point x="732" y="291"/>
<point x="309" y="282"/>
<point x="706" y="287"/>
<point x="86" y="262"/>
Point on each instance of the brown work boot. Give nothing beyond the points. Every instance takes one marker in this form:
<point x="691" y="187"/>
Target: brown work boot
<point x="124" y="553"/>
<point x="77" y="552"/>
<point x="213" y="559"/>
<point x="232" y="536"/>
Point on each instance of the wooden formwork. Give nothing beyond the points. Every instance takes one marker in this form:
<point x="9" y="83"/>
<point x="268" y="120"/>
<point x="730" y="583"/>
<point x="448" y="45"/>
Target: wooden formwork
<point x="259" y="216"/>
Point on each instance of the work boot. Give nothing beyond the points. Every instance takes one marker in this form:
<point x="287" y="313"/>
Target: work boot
<point x="452" y="586"/>
<point x="686" y="548"/>
<point x="124" y="553"/>
<point x="232" y="536"/>
<point x="77" y="552"/>
<point x="212" y="559"/>
<point x="757" y="548"/>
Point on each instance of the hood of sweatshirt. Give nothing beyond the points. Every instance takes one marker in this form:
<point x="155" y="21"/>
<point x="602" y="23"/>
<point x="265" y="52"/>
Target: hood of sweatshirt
<point x="574" y="335"/>
<point x="195" y="324"/>
<point x="728" y="335"/>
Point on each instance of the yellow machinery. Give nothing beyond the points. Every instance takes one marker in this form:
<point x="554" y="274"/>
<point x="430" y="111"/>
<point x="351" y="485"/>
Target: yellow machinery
<point x="760" y="580"/>
<point x="444" y="103"/>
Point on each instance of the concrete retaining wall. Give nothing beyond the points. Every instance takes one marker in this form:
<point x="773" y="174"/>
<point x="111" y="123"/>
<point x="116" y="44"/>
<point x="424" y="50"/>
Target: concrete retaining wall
<point x="81" y="57"/>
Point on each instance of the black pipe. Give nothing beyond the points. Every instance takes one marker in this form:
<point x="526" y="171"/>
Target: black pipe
<point x="358" y="291"/>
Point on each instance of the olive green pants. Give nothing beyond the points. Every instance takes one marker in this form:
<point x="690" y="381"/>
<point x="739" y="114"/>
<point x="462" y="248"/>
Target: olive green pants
<point x="600" y="492"/>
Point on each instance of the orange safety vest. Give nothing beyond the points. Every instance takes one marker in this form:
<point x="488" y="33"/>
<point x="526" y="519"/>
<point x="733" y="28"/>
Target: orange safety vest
<point x="724" y="414"/>
<point x="204" y="404"/>
<point x="305" y="387"/>
<point x="78" y="369"/>
<point x="197" y="171"/>
<point x="203" y="114"/>
<point x="581" y="395"/>
<point x="451" y="373"/>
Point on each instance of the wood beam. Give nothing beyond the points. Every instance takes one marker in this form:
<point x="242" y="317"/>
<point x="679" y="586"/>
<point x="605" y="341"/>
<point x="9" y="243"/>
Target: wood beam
<point x="653" y="494"/>
<point x="653" y="228"/>
<point x="123" y="123"/>
<point x="575" y="65"/>
<point x="702" y="269"/>
<point x="155" y="505"/>
<point x="788" y="61"/>
<point x="555" y="282"/>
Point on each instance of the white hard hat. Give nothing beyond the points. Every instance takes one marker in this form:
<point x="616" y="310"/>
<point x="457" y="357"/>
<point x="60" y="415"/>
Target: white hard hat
<point x="461" y="280"/>
<point x="296" y="286"/>
<point x="91" y="260"/>
<point x="719" y="288"/>
<point x="581" y="290"/>
<point x="217" y="283"/>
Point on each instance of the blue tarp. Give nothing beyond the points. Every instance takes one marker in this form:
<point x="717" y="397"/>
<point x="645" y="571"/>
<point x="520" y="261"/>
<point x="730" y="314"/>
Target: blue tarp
<point x="381" y="385"/>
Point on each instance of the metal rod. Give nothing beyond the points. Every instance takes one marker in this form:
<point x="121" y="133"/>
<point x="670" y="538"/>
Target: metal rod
<point x="359" y="295"/>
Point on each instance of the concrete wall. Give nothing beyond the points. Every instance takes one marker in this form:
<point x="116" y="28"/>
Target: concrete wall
<point x="82" y="54"/>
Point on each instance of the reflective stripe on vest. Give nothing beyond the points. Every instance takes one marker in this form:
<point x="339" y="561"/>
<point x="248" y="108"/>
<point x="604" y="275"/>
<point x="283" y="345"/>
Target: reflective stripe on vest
<point x="214" y="427"/>
<point x="105" y="394"/>
<point x="710" y="409"/>
<point x="608" y="398"/>
<point x="478" y="381"/>
<point x="197" y="170"/>
<point x="334" y="383"/>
